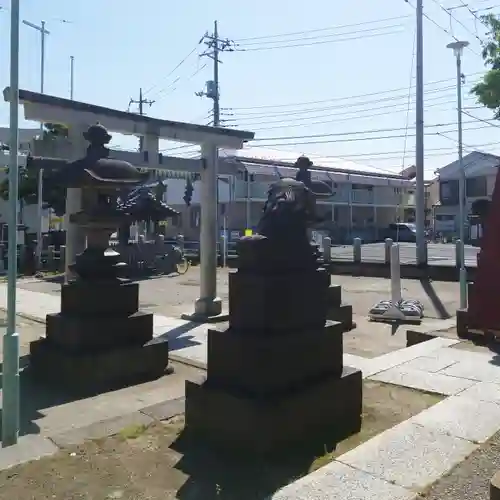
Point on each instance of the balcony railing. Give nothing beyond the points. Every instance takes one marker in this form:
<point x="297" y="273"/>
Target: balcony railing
<point x="342" y="194"/>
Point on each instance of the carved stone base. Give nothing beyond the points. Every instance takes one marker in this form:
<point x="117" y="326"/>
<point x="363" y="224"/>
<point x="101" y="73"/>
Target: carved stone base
<point x="260" y="363"/>
<point x="94" y="333"/>
<point x="324" y="411"/>
<point x="342" y="314"/>
<point x="98" y="371"/>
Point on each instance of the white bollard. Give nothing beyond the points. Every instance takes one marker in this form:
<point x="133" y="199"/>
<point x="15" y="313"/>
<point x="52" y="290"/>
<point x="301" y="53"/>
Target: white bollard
<point x="356" y="250"/>
<point x="327" y="249"/>
<point x="395" y="275"/>
<point x="387" y="248"/>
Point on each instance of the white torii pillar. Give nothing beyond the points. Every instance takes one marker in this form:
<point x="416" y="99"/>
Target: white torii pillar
<point x="75" y="236"/>
<point x="208" y="305"/>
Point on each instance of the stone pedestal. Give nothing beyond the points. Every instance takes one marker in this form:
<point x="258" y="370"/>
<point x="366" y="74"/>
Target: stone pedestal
<point x="337" y="311"/>
<point x="275" y="377"/>
<point x="99" y="340"/>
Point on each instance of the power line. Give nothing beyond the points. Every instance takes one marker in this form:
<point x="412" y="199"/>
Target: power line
<point x="319" y="42"/>
<point x="358" y="112"/>
<point x="359" y="132"/>
<point x="246" y="116"/>
<point x="173" y="86"/>
<point x="410" y="86"/>
<point x="319" y="37"/>
<point x="140" y="102"/>
<point x="304" y="103"/>
<point x="350" y="118"/>
<point x="359" y="139"/>
<point x="481" y="119"/>
<point x="444" y="30"/>
<point x="448" y="11"/>
<point x="381" y="155"/>
<point x="175" y="68"/>
<point x="318" y="30"/>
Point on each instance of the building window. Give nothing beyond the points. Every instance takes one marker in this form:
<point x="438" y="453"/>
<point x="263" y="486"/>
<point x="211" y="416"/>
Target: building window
<point x="476" y="187"/>
<point x="448" y="192"/>
<point x="362" y="187"/>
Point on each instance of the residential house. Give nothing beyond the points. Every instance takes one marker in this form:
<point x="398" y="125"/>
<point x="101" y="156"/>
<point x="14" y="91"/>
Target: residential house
<point x="480" y="172"/>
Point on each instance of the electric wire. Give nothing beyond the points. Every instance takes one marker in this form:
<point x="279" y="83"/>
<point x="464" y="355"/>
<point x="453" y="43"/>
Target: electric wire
<point x="370" y="94"/>
<point x="319" y="42"/>
<point x="448" y="32"/>
<point x="447" y="11"/>
<point x="350" y="111"/>
<point x="313" y="38"/>
<point x="318" y="30"/>
<point x="410" y="87"/>
<point x="358" y="139"/>
<point x="175" y="68"/>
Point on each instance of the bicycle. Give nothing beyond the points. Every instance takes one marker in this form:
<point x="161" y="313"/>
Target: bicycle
<point x="172" y="262"/>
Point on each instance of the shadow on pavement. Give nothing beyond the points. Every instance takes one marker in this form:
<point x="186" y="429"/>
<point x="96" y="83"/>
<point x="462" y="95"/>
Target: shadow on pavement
<point x="435" y="300"/>
<point x="36" y="397"/>
<point x="177" y="338"/>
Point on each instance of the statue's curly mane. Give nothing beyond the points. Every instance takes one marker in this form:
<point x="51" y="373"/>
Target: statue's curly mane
<point x="288" y="211"/>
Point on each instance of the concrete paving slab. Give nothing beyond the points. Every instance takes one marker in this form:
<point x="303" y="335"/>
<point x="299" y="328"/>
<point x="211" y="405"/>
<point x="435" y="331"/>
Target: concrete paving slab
<point x="337" y="481"/>
<point x="396" y="358"/>
<point x="424" y="381"/>
<point x="462" y="417"/>
<point x="473" y="370"/>
<point x="101" y="429"/>
<point x="483" y="391"/>
<point x="28" y="448"/>
<point x="409" y="455"/>
<point x="166" y="409"/>
<point x="55" y="419"/>
<point x="456" y="354"/>
<point x="428" y="364"/>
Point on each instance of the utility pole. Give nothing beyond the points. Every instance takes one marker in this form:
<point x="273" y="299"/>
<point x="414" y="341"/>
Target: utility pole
<point x="71" y="76"/>
<point x="215" y="46"/>
<point x="38" y="251"/>
<point x="10" y="361"/>
<point x="140" y="102"/>
<point x="419" y="138"/>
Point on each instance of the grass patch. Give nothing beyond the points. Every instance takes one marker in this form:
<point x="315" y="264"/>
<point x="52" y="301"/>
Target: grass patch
<point x="133" y="431"/>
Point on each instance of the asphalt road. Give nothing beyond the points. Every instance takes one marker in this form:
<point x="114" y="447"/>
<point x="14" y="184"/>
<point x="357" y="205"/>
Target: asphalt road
<point x="438" y="253"/>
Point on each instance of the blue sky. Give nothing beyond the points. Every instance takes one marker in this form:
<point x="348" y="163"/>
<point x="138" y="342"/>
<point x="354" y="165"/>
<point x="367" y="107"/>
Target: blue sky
<point x="120" y="46"/>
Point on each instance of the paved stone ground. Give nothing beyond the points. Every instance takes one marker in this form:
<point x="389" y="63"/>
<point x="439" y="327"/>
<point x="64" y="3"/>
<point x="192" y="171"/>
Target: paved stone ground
<point x="398" y="464"/>
<point x="172" y="296"/>
<point x="470" y="480"/>
<point x="49" y="412"/>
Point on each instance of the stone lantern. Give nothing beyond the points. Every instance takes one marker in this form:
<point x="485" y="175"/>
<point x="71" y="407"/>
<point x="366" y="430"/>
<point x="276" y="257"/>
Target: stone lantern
<point x="99" y="339"/>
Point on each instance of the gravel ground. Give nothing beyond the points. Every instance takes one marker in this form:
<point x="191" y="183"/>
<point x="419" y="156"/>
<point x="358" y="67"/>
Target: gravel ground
<point x="471" y="479"/>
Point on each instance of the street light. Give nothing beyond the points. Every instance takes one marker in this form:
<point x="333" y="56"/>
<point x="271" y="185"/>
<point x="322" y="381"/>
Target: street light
<point x="10" y="361"/>
<point x="458" y="48"/>
<point x="43" y="32"/>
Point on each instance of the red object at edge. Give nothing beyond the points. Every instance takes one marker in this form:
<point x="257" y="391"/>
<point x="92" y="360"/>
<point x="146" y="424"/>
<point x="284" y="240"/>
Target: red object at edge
<point x="484" y="302"/>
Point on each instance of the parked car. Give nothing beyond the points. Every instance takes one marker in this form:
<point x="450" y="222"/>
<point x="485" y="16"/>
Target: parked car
<point x="402" y="231"/>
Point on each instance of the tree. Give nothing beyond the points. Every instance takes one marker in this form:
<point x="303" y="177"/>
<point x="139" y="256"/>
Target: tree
<point x="54" y="196"/>
<point x="488" y="90"/>
<point x="54" y="130"/>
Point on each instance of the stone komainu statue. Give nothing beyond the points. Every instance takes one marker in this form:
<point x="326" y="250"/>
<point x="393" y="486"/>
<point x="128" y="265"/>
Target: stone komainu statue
<point x="289" y="210"/>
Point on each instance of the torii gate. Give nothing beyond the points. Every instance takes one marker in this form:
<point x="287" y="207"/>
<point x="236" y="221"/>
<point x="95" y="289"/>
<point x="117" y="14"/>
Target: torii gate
<point x="78" y="116"/>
